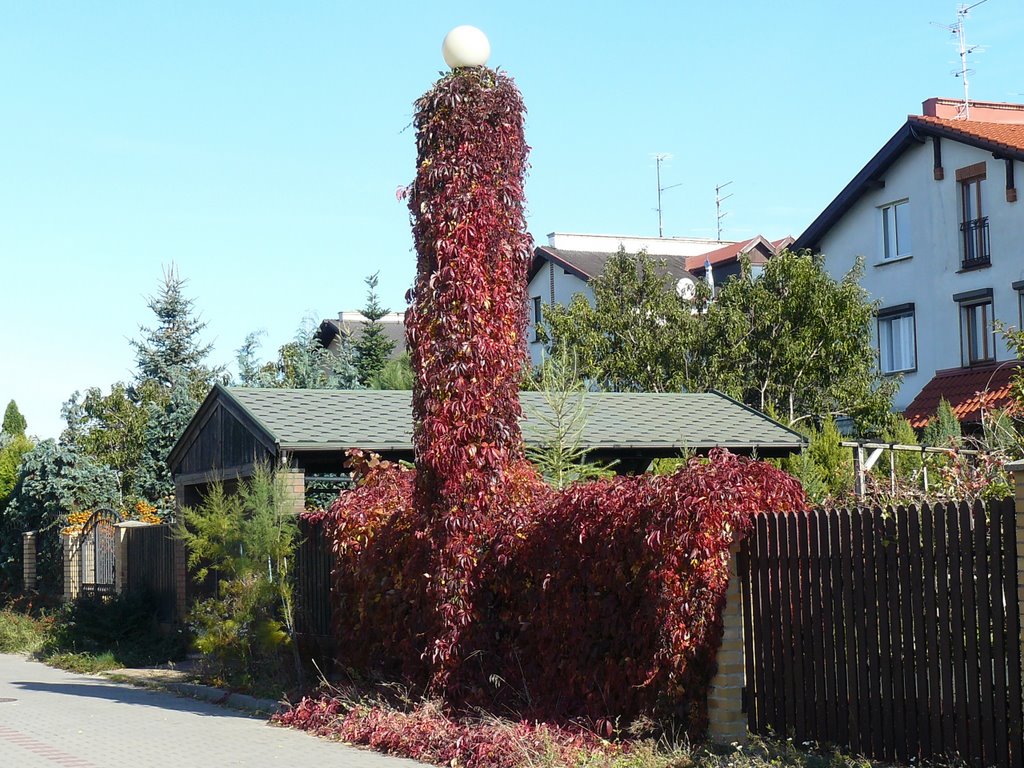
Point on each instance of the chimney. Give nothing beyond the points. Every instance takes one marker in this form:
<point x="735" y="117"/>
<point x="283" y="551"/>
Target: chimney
<point x="981" y="111"/>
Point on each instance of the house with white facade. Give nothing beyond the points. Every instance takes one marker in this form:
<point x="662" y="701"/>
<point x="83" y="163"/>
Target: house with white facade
<point x="935" y="216"/>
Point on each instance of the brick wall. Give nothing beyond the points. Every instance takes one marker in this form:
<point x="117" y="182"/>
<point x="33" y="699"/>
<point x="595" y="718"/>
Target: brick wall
<point x="728" y="722"/>
<point x="28" y="561"/>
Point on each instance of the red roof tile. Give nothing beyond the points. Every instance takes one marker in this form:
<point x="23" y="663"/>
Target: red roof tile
<point x="732" y="252"/>
<point x="1008" y="135"/>
<point x="968" y="390"/>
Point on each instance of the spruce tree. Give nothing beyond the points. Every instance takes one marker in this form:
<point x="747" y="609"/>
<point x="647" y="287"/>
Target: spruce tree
<point x="373" y="347"/>
<point x="173" y="347"/>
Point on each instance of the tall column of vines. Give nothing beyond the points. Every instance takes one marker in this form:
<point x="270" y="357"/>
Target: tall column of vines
<point x="466" y="327"/>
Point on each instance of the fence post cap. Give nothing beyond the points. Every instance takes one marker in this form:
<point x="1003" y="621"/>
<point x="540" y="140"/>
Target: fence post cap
<point x="133" y="524"/>
<point x="1015" y="466"/>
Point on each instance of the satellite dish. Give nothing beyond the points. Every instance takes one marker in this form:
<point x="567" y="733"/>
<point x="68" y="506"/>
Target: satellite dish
<point x="685" y="289"/>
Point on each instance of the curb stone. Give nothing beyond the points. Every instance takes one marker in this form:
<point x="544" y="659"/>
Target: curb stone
<point x="239" y="701"/>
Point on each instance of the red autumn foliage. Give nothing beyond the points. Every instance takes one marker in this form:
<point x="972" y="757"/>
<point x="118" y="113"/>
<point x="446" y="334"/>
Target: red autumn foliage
<point x="465" y="328"/>
<point x="428" y="734"/>
<point x="602" y="602"/>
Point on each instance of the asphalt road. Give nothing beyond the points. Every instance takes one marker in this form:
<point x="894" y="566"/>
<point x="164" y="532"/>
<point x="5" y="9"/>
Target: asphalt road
<point x="53" y="718"/>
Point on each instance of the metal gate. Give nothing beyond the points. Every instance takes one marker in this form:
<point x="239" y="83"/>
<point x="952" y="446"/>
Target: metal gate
<point x="97" y="553"/>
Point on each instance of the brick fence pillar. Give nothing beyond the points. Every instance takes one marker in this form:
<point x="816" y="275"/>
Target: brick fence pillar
<point x="28" y="561"/>
<point x="295" y="489"/>
<point x="72" y="568"/>
<point x="1016" y="470"/>
<point x="727" y="721"/>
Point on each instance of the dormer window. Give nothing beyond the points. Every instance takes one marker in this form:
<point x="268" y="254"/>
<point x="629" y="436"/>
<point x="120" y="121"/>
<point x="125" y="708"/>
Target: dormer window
<point x="896" y="230"/>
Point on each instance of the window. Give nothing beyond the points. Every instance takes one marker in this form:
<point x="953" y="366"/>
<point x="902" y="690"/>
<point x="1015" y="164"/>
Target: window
<point x="537" y="318"/>
<point x="973" y="223"/>
<point x="896" y="230"/>
<point x="897" y="339"/>
<point x="976" y="332"/>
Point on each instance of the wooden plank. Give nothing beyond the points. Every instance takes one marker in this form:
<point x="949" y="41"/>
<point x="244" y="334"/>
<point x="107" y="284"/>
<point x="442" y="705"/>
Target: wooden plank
<point x="969" y="700"/>
<point x="795" y="689"/>
<point x="808" y="627"/>
<point x="747" y="574"/>
<point x="830" y="622"/>
<point x="849" y="728"/>
<point x="762" y="630"/>
<point x="907" y="588"/>
<point x="873" y="667"/>
<point x="888" y="631"/>
<point x="943" y="538"/>
<point x="883" y="603"/>
<point x="958" y="553"/>
<point x="1015" y="716"/>
<point x="930" y="549"/>
<point x="1000" y="705"/>
<point x="919" y="587"/>
<point x="779" y="668"/>
<point x="988" y="735"/>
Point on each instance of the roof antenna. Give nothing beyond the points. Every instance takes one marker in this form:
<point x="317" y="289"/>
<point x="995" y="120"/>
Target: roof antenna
<point x="964" y="113"/>
<point x="658" y="158"/>
<point x="718" y="206"/>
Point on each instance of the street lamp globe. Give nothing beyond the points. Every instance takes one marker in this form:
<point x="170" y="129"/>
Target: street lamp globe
<point x="465" y="46"/>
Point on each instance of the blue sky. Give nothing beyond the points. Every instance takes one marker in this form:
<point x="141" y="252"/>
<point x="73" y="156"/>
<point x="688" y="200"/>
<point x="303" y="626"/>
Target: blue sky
<point x="258" y="145"/>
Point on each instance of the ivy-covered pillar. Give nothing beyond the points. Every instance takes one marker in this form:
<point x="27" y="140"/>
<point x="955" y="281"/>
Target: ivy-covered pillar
<point x="466" y="324"/>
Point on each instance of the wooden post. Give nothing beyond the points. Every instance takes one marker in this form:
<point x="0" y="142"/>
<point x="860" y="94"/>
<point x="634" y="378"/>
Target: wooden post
<point x="727" y="721"/>
<point x="28" y="561"/>
<point x="1016" y="470"/>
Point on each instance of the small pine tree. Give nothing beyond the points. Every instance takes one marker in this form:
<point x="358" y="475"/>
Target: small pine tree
<point x="558" y="429"/>
<point x="304" y="363"/>
<point x="373" y="347"/>
<point x="908" y="463"/>
<point x="14" y="422"/>
<point x="834" y="461"/>
<point x="943" y="430"/>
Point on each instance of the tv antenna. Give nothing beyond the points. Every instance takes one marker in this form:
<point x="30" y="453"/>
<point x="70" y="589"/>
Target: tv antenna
<point x="718" y="206"/>
<point x="658" y="158"/>
<point x="957" y="30"/>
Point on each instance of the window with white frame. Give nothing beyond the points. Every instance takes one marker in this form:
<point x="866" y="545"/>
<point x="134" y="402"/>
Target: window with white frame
<point x="896" y="230"/>
<point x="897" y="339"/>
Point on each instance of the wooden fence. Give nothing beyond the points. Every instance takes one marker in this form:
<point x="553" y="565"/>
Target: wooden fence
<point x="313" y="563"/>
<point x="892" y="633"/>
<point x="150" y="567"/>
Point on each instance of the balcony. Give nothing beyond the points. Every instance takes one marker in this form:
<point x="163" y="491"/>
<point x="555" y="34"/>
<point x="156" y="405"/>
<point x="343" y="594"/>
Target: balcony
<point x="974" y="234"/>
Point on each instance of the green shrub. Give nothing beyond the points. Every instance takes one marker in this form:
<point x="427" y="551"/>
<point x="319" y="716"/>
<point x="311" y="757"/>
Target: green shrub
<point x="123" y="628"/>
<point x="19" y="632"/>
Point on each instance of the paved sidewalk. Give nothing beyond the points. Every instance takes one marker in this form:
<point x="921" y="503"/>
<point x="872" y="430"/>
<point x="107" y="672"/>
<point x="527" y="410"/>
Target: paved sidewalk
<point x="49" y="717"/>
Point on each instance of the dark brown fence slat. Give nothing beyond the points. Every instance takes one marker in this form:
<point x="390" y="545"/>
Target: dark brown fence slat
<point x="959" y="565"/>
<point x="922" y="652"/>
<point x="805" y="525"/>
<point x="968" y="698"/>
<point x="984" y="633"/>
<point x="908" y="703"/>
<point x="853" y="617"/>
<point x="873" y="658"/>
<point x="149" y="567"/>
<point x="943" y="542"/>
<point x="791" y="629"/>
<point x="930" y="546"/>
<point x="780" y="674"/>
<point x="1015" y="726"/>
<point x="762" y="629"/>
<point x="842" y="583"/>
<point x="884" y="603"/>
<point x="746" y="566"/>
<point x="895" y="643"/>
<point x="999" y="703"/>
<point x="826" y="622"/>
<point x="867" y="676"/>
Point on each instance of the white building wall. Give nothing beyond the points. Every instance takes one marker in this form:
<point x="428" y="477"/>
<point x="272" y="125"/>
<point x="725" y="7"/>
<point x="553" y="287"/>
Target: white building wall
<point x="565" y="286"/>
<point x="931" y="275"/>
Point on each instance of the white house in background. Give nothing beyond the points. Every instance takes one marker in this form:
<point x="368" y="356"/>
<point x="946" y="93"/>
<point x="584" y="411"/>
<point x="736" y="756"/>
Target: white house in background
<point x="935" y="215"/>
<point x="348" y="326"/>
<point x="565" y="266"/>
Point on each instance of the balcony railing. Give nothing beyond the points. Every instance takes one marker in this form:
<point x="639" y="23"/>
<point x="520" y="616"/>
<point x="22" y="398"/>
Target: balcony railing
<point x="976" y="246"/>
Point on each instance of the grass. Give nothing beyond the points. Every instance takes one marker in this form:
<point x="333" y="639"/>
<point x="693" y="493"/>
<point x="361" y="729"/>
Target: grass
<point x="21" y="632"/>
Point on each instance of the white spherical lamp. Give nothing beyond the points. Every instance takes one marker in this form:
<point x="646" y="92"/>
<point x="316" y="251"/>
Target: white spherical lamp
<point x="465" y="46"/>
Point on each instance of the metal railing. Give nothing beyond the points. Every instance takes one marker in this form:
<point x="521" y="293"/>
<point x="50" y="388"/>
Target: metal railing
<point x="975" y="243"/>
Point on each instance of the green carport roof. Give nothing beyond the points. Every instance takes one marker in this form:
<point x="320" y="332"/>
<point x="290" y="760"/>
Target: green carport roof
<point x="381" y="420"/>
